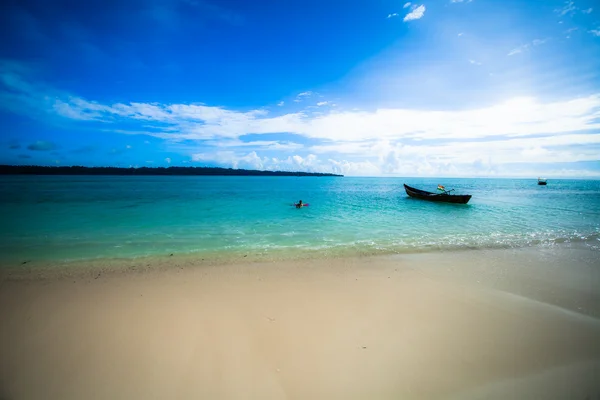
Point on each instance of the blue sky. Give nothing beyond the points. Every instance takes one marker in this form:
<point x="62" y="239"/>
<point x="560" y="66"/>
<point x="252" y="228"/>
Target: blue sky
<point x="378" y="87"/>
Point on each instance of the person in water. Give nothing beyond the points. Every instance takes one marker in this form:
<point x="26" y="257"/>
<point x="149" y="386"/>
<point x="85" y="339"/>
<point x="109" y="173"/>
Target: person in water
<point x="299" y="204"/>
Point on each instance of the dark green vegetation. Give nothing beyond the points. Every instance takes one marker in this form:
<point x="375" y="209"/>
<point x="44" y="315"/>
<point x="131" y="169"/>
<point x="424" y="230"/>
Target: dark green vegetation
<point x="76" y="170"/>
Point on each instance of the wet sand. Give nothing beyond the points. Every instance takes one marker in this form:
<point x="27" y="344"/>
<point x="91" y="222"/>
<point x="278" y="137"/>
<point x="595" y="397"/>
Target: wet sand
<point x="491" y="324"/>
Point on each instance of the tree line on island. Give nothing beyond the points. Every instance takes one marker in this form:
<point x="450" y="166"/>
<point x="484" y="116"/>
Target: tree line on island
<point x="191" y="171"/>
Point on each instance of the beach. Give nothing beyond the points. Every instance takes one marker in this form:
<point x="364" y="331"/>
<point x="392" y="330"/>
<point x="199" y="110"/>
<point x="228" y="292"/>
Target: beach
<point x="473" y="324"/>
<point x="364" y="200"/>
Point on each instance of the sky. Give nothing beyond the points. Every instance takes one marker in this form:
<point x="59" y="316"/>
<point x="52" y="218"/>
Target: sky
<point x="465" y="88"/>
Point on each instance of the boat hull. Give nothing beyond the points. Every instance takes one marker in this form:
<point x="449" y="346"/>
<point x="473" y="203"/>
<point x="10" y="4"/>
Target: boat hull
<point x="441" y="197"/>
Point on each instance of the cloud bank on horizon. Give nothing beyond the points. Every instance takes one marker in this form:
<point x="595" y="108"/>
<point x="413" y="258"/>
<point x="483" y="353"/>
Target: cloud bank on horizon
<point x="445" y="89"/>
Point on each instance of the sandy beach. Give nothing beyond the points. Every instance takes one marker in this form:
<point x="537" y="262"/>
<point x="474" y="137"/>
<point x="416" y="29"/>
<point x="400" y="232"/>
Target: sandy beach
<point x="493" y="324"/>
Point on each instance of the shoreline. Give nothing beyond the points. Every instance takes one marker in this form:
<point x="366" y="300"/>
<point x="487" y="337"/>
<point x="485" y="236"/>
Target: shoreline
<point x="463" y="324"/>
<point x="24" y="266"/>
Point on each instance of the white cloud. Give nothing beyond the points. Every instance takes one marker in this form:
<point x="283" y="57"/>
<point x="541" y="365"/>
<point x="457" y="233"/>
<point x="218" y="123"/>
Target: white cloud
<point x="77" y="108"/>
<point x="281" y="103"/>
<point x="378" y="157"/>
<point x="568" y="32"/>
<point x="569" y="8"/>
<point x="168" y="160"/>
<point x="128" y="146"/>
<point x="302" y="96"/>
<point x="355" y="168"/>
<point x="406" y="5"/>
<point x="515" y="117"/>
<point x="257" y="144"/>
<point x="527" y="46"/>
<point x="460" y="1"/>
<point x="388" y="140"/>
<point x="416" y="13"/>
<point x="322" y="103"/>
<point x="471" y="158"/>
<point x="460" y="34"/>
<point x="506" y="151"/>
<point x="309" y="163"/>
<point x="518" y="50"/>
<point x="474" y="62"/>
<point x="595" y="32"/>
<point x="392" y="15"/>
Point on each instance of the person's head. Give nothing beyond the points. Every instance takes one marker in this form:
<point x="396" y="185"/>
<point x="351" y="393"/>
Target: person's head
<point x="300" y="202"/>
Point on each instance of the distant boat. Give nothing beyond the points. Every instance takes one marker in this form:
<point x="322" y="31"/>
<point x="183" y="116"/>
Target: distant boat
<point x="542" y="181"/>
<point x="445" y="197"/>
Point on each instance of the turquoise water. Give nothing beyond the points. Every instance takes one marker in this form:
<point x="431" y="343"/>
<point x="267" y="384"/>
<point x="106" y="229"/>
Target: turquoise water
<point x="71" y="217"/>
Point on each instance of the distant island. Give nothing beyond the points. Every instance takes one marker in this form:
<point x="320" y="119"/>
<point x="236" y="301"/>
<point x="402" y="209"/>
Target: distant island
<point x="191" y="171"/>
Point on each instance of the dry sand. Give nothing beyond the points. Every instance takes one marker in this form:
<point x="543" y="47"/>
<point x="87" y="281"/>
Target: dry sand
<point x="492" y="324"/>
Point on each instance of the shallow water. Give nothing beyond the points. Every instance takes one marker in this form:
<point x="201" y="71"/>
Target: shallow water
<point x="74" y="217"/>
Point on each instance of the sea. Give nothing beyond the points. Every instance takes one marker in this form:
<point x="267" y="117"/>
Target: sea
<point x="61" y="218"/>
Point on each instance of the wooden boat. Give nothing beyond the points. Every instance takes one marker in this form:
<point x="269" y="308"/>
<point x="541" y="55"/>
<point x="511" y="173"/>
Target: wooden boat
<point x="542" y="181"/>
<point x="441" y="197"/>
